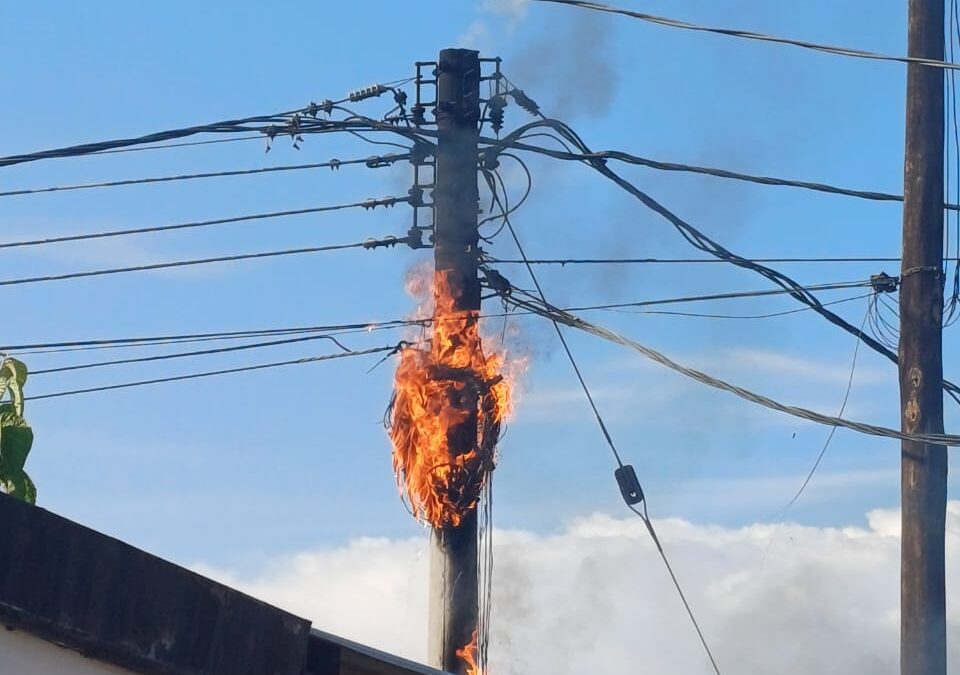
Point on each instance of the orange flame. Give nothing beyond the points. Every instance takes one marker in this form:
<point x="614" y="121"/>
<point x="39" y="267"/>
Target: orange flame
<point x="468" y="654"/>
<point x="447" y="409"/>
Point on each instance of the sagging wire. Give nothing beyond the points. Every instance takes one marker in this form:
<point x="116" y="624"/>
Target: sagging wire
<point x="826" y="444"/>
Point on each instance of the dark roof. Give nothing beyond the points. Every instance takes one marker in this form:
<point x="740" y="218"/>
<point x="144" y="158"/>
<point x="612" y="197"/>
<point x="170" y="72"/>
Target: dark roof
<point x="111" y="601"/>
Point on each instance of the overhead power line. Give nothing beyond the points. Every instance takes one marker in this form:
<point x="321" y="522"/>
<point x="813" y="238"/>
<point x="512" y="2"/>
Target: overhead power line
<point x="226" y="126"/>
<point x="636" y="160"/>
<point x="147" y="341"/>
<point x="291" y="123"/>
<point x="750" y="35"/>
<point x="337" y="329"/>
<point x="704" y="243"/>
<point x="381" y="160"/>
<point x="225" y="371"/>
<point x="181" y="355"/>
<point x="366" y="204"/>
<point x="603" y="428"/>
<point x="371" y="243"/>
<point x="568" y="319"/>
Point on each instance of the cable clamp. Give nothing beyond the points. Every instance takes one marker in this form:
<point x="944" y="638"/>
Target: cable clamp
<point x="884" y="283"/>
<point x="629" y="484"/>
<point x="325" y="106"/>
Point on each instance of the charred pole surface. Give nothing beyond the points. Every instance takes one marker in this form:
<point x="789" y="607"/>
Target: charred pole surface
<point x="924" y="467"/>
<point x="454" y="601"/>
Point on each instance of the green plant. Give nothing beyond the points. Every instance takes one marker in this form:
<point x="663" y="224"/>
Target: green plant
<point x="16" y="436"/>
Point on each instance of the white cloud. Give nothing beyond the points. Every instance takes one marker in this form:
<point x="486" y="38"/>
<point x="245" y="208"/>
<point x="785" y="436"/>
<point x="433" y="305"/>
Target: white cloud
<point x="595" y="598"/>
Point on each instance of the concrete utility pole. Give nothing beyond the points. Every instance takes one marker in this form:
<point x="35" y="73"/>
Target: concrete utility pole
<point x="454" y="602"/>
<point x="923" y="635"/>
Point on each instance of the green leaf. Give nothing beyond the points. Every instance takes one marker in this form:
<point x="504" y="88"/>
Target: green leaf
<point x="13" y="376"/>
<point x="16" y="439"/>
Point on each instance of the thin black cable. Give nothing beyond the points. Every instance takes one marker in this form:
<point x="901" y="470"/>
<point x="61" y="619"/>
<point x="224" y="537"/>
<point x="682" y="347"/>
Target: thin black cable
<point x="833" y="430"/>
<point x="750" y="35"/>
<point x="563" y="340"/>
<point x="637" y="160"/>
<point x="211" y="373"/>
<point x="226" y="126"/>
<point x="697" y="315"/>
<point x="181" y="355"/>
<point x="615" y="452"/>
<point x="200" y="261"/>
<point x="337" y="329"/>
<point x="164" y="146"/>
<point x="332" y="164"/>
<point x="200" y="223"/>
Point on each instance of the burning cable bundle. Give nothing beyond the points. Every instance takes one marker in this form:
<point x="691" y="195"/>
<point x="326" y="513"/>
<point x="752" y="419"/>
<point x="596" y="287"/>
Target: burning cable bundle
<point x="448" y="405"/>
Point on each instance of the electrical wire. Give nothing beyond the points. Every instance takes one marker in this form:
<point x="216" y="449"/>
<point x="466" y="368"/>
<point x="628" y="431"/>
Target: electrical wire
<point x="750" y="35"/>
<point x="212" y="373"/>
<point x="342" y="329"/>
<point x="704" y="243"/>
<point x="606" y="434"/>
<point x="148" y="341"/>
<point x="636" y="160"/>
<point x="332" y="164"/>
<point x="571" y="320"/>
<point x="180" y="355"/>
<point x="770" y="315"/>
<point x="833" y="430"/>
<point x="373" y="243"/>
<point x="367" y="204"/>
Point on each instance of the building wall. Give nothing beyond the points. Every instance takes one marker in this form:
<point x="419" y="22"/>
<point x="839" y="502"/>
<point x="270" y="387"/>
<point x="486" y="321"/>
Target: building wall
<point x="24" y="654"/>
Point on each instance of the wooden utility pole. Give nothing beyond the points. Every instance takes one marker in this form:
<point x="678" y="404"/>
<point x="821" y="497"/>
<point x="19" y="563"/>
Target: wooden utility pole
<point x="924" y="467"/>
<point x="454" y="602"/>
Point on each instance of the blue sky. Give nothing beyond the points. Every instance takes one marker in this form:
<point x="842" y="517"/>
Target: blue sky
<point x="233" y="469"/>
